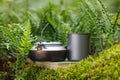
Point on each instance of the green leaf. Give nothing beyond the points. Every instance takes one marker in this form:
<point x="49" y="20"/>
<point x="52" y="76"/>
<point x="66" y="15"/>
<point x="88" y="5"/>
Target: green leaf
<point x="10" y="34"/>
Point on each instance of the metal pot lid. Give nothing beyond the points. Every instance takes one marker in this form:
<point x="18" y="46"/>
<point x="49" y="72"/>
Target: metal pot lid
<point x="59" y="48"/>
<point x="49" y="43"/>
<point x="48" y="46"/>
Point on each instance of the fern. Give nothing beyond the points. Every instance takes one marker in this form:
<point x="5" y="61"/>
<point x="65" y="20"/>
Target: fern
<point x="25" y="43"/>
<point x="24" y="46"/>
<point x="8" y="33"/>
<point x="21" y="47"/>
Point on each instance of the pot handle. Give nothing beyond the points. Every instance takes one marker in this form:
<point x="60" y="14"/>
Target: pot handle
<point x="45" y="27"/>
<point x="40" y="46"/>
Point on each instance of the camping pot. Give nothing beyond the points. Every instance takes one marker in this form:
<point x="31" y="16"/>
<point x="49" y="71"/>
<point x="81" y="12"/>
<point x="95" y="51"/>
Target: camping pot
<point x="78" y="46"/>
<point x="47" y="50"/>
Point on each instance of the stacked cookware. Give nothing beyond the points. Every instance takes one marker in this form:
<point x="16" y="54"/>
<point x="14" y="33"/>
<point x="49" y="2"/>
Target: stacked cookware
<point x="78" y="48"/>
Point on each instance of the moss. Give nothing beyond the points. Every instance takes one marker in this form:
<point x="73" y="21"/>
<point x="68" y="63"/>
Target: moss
<point x="103" y="66"/>
<point x="38" y="73"/>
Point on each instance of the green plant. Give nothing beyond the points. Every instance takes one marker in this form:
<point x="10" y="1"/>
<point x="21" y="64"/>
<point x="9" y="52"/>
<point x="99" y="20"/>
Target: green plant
<point x="2" y="76"/>
<point x="116" y="27"/>
<point x="72" y="17"/>
<point x="21" y="43"/>
<point x="7" y="40"/>
<point x="23" y="49"/>
<point x="104" y="65"/>
<point x="88" y="17"/>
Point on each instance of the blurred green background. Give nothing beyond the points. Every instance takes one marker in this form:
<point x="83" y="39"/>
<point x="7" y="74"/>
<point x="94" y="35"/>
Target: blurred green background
<point x="112" y="5"/>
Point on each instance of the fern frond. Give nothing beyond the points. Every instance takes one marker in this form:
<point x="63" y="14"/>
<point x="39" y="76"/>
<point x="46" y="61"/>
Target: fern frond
<point x="8" y="33"/>
<point x="25" y="43"/>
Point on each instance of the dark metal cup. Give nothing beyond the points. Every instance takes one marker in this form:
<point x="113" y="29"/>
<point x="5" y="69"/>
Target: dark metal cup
<point x="78" y="46"/>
